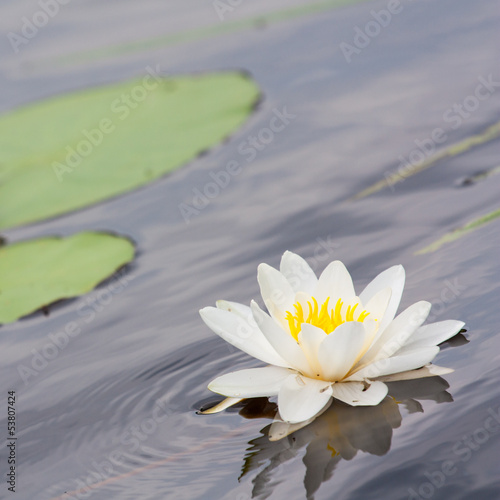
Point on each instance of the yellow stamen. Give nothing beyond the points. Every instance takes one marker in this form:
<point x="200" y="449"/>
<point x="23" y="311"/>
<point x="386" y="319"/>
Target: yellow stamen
<point x="350" y="312"/>
<point x="328" y="319"/>
<point x="362" y="316"/>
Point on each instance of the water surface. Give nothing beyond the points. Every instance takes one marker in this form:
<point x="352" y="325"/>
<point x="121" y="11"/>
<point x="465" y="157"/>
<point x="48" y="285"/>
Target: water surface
<point x="126" y="389"/>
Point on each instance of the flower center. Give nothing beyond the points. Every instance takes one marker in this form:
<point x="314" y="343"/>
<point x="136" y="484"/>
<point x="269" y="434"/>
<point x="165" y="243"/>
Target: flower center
<point x="325" y="318"/>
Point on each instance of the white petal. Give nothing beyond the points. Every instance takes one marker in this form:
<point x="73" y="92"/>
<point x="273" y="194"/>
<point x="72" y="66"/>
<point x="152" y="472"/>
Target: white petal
<point x="434" y="333"/>
<point x="280" y="429"/>
<point x="301" y="398"/>
<point x="359" y="394"/>
<point x="281" y="340"/>
<point x="298" y="273"/>
<point x="394" y="278"/>
<point x="340" y="349"/>
<point x="276" y="292"/>
<point x="225" y="403"/>
<point x="235" y="307"/>
<point x="303" y="298"/>
<point x="310" y="338"/>
<point x="378" y="304"/>
<point x="335" y="282"/>
<point x="371" y="329"/>
<point x="387" y="366"/>
<point x="425" y="371"/>
<point x="243" y="334"/>
<point x="397" y="333"/>
<point x="251" y="383"/>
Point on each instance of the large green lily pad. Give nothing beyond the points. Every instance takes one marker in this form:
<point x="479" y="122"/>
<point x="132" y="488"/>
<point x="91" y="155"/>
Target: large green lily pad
<point x="75" y="150"/>
<point x="36" y="273"/>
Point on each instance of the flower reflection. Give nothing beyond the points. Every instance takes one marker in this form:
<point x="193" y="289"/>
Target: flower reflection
<point x="337" y="434"/>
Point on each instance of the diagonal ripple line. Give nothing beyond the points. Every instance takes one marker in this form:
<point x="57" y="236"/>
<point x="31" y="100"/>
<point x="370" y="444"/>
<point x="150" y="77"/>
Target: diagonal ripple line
<point x="459" y="232"/>
<point x="197" y="34"/>
<point x="490" y="133"/>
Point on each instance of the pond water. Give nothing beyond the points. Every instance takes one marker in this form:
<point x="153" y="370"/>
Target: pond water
<point x="116" y="406"/>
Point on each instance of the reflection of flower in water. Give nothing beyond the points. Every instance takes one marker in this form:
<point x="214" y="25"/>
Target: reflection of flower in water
<point x="338" y="433"/>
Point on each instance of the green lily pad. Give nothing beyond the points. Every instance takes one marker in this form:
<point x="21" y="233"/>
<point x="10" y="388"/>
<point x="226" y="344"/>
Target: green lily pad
<point x="36" y="273"/>
<point x="71" y="151"/>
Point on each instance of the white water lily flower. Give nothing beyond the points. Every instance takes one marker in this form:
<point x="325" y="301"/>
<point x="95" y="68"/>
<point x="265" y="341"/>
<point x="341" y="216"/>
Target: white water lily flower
<point x="321" y="340"/>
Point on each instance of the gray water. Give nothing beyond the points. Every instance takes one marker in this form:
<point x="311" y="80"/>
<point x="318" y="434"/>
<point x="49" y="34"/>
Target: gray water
<point x="116" y="408"/>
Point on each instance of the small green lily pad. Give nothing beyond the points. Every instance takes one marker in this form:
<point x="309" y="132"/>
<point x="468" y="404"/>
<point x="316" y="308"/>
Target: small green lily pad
<point x="74" y="150"/>
<point x="36" y="273"/>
